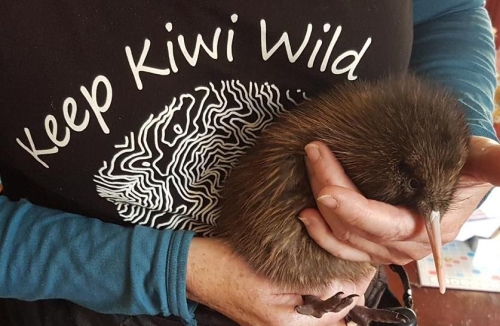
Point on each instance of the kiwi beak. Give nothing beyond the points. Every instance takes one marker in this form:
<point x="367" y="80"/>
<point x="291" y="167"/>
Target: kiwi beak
<point x="433" y="226"/>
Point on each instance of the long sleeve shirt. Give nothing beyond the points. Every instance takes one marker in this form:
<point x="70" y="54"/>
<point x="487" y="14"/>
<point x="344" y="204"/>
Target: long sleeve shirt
<point x="84" y="66"/>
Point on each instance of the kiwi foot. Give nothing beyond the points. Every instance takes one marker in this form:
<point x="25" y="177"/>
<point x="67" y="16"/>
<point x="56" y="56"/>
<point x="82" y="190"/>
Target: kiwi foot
<point x="363" y="316"/>
<point x="314" y="306"/>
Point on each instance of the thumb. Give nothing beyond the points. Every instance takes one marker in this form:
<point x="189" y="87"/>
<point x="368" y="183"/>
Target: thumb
<point x="483" y="162"/>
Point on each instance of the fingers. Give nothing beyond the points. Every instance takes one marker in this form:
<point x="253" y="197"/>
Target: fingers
<point x="484" y="160"/>
<point x="290" y="317"/>
<point x="380" y="220"/>
<point x="375" y="219"/>
<point x="352" y="227"/>
<point x="386" y="233"/>
<point x="359" y="248"/>
<point x="321" y="233"/>
<point x="324" y="169"/>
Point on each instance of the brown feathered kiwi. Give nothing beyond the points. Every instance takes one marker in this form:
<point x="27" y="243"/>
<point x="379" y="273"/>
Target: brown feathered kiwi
<point x="402" y="140"/>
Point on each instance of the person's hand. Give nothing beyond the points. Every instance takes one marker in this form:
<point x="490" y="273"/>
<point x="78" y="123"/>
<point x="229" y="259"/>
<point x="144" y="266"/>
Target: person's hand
<point x="219" y="279"/>
<point x="352" y="227"/>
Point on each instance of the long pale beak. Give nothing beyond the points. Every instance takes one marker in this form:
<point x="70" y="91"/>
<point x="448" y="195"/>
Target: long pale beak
<point x="433" y="226"/>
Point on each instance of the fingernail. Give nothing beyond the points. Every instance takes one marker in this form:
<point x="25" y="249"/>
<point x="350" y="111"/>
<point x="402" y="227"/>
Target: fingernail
<point x="304" y="220"/>
<point x="328" y="201"/>
<point x="312" y="151"/>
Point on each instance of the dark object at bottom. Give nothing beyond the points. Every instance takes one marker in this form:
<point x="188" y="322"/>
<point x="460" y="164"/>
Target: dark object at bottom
<point x="388" y="300"/>
<point x="409" y="313"/>
<point x="361" y="315"/>
<point x="374" y="313"/>
<point x="63" y="313"/>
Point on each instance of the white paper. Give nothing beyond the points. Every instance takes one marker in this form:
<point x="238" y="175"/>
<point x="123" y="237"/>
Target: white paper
<point x="485" y="221"/>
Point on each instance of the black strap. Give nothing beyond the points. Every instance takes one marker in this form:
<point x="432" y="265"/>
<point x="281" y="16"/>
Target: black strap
<point x="407" y="295"/>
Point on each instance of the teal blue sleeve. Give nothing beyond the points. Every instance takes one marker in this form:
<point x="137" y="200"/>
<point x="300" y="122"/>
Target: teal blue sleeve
<point x="453" y="45"/>
<point x="45" y="254"/>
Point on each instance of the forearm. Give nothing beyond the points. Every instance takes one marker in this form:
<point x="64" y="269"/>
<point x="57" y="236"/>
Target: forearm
<point x="454" y="45"/>
<point x="47" y="254"/>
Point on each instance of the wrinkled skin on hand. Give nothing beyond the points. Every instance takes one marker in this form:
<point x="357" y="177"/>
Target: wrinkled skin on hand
<point x="352" y="227"/>
<point x="219" y="279"/>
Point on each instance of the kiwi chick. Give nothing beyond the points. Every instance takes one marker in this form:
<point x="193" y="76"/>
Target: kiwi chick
<point x="401" y="140"/>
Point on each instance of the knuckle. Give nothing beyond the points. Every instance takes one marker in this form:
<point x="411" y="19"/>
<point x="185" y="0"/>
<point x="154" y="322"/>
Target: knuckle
<point x="343" y="235"/>
<point x="417" y="253"/>
<point x="363" y="213"/>
<point x="327" y="179"/>
<point x="399" y="231"/>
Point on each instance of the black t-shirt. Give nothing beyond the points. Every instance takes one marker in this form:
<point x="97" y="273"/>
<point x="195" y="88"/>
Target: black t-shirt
<point x="135" y="111"/>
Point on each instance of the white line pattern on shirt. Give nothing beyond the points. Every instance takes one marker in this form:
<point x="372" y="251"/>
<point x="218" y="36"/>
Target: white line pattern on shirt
<point x="169" y="174"/>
